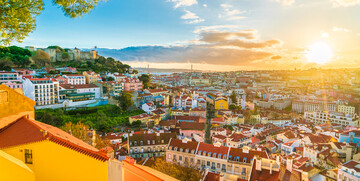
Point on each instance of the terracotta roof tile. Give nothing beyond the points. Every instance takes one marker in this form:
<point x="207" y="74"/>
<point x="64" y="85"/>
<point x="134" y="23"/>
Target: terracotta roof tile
<point x="25" y="130"/>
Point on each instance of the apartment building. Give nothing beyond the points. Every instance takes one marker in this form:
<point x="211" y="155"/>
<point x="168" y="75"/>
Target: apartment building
<point x="80" y="92"/>
<point x="303" y="106"/>
<point x="91" y="77"/>
<point x="132" y="84"/>
<point x="346" y="109"/>
<point x="44" y="91"/>
<point x="318" y="117"/>
<point x="75" y="79"/>
<point x="11" y="79"/>
<point x="148" y="144"/>
<point x="214" y="157"/>
<point x="112" y="87"/>
<point x="349" y="171"/>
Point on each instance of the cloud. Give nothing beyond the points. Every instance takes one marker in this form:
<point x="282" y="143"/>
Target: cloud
<point x="192" y="17"/>
<point x="340" y="29"/>
<point x="230" y="13"/>
<point x="345" y="3"/>
<point x="275" y="57"/>
<point x="179" y="3"/>
<point x="189" y="15"/>
<point x="216" y="27"/>
<point x="205" y="5"/>
<point x="241" y="39"/>
<point x="238" y="48"/>
<point x="286" y="2"/>
<point x="218" y="36"/>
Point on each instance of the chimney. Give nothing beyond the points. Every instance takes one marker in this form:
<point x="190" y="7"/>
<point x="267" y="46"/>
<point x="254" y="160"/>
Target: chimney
<point x="271" y="167"/>
<point x="258" y="163"/>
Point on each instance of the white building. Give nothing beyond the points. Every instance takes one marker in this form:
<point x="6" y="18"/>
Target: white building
<point x="334" y="117"/>
<point x="44" y="91"/>
<point x="349" y="171"/>
<point x="346" y="109"/>
<point x="75" y="79"/>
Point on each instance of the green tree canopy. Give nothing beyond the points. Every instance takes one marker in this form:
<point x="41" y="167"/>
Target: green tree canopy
<point x="17" y="55"/>
<point x="145" y="78"/>
<point x="41" y="58"/>
<point x="18" y="17"/>
<point x="126" y="101"/>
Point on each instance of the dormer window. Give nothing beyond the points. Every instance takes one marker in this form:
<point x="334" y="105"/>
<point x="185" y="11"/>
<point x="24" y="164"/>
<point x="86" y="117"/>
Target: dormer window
<point x="130" y="143"/>
<point x="219" y="156"/>
<point x="148" y="142"/>
<point x="187" y="150"/>
<point x="170" y="147"/>
<point x="209" y="154"/>
<point x="141" y="142"/>
<point x="224" y="157"/>
<point x="181" y="149"/>
<point x="176" y="148"/>
<point x="153" y="142"/>
<point x="244" y="160"/>
<point x="162" y="141"/>
<point x="214" y="155"/>
<point x="199" y="152"/>
<point x="204" y="153"/>
<point x="135" y="143"/>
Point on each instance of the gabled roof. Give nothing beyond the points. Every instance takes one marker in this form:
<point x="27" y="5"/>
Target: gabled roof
<point x="25" y="130"/>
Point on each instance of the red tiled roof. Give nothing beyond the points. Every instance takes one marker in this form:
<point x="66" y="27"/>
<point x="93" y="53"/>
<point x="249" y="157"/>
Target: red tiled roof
<point x="263" y="174"/>
<point x="25" y="130"/>
<point x="209" y="148"/>
<point x="248" y="154"/>
<point x="219" y="136"/>
<point x="192" y="126"/>
<point x="211" y="176"/>
<point x="175" y="143"/>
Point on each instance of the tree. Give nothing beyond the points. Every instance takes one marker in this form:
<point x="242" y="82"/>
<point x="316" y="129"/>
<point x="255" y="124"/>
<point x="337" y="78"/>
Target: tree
<point x="110" y="79"/>
<point x="6" y="64"/>
<point x="65" y="56"/>
<point x="41" y="58"/>
<point x="126" y="101"/>
<point x="145" y="78"/>
<point x="78" y="130"/>
<point x="136" y="124"/>
<point x="18" y="18"/>
<point x="17" y="55"/>
<point x="177" y="171"/>
<point x="233" y="97"/>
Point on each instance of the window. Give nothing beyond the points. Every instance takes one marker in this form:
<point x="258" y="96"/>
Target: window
<point x="180" y="158"/>
<point x="28" y="156"/>
<point x="208" y="163"/>
<point x="218" y="165"/>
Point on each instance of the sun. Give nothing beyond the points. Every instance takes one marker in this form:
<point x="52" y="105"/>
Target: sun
<point x="319" y="53"/>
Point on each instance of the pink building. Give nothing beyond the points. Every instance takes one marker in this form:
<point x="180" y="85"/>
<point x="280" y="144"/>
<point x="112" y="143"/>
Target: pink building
<point x="14" y="85"/>
<point x="22" y="71"/>
<point x="61" y="80"/>
<point x="132" y="84"/>
<point x="8" y="76"/>
<point x="188" y="129"/>
<point x="70" y="69"/>
<point x="11" y="79"/>
<point x="75" y="79"/>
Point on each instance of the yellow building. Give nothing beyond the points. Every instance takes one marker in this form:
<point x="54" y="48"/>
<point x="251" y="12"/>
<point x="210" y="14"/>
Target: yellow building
<point x="51" y="153"/>
<point x="91" y="77"/>
<point x="14" y="105"/>
<point x="221" y="103"/>
<point x="12" y="168"/>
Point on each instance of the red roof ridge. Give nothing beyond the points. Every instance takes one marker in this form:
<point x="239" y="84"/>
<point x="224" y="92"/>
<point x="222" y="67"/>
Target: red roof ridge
<point x="95" y="153"/>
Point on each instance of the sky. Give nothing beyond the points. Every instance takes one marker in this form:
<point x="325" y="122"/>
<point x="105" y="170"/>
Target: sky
<point x="212" y="34"/>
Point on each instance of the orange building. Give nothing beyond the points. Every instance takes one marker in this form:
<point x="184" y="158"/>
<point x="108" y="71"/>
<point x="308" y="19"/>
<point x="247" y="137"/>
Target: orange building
<point x="14" y="105"/>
